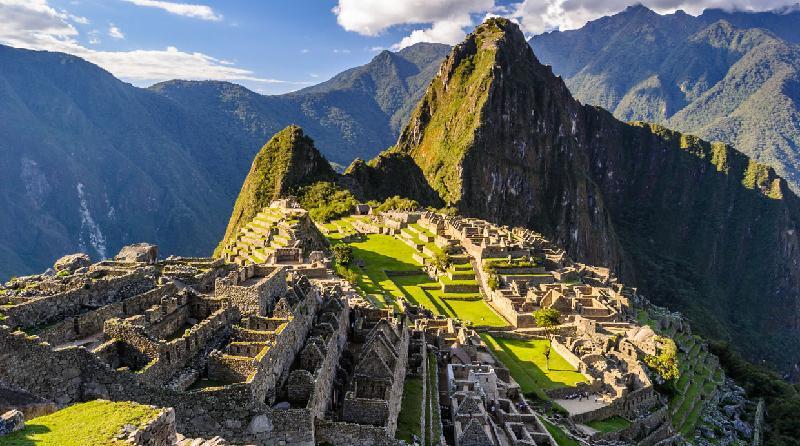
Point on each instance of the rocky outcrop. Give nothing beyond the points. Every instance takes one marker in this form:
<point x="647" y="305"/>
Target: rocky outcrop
<point x="697" y="226"/>
<point x="139" y="252"/>
<point x="72" y="262"/>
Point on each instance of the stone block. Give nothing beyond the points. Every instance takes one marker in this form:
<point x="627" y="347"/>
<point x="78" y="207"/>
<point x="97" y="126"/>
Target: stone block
<point x="11" y="421"/>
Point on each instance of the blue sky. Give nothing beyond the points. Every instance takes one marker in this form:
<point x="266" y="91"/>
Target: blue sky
<point x="275" y="46"/>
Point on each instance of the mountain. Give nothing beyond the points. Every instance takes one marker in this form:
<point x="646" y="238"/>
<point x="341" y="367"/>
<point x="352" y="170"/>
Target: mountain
<point x="698" y="227"/>
<point x="94" y="163"/>
<point x="727" y="76"/>
<point x="288" y="160"/>
<point x="355" y="114"/>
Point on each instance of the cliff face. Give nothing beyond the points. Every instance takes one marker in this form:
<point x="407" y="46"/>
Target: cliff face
<point x="698" y="227"/>
<point x="288" y="160"/>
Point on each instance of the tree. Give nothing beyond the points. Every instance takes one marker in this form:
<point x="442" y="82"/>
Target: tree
<point x="441" y="261"/>
<point x="547" y="356"/>
<point x="342" y="253"/>
<point x="547" y="318"/>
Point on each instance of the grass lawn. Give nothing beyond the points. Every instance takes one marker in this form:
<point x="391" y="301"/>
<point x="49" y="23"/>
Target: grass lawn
<point x="528" y="365"/>
<point x="410" y="410"/>
<point x="95" y="423"/>
<point x="474" y="311"/>
<point x="381" y="253"/>
<point x="612" y="424"/>
<point x="558" y="435"/>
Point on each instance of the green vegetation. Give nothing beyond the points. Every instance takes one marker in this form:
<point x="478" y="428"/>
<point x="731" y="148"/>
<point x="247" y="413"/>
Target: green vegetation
<point x="287" y="161"/>
<point x="558" y="435"/>
<point x="326" y="201"/>
<point x="528" y="364"/>
<point x="95" y="423"/>
<point x="381" y="254"/>
<point x="612" y="424"/>
<point x="452" y="107"/>
<point x="782" y="399"/>
<point x="434" y="431"/>
<point x="342" y="254"/>
<point x="397" y="203"/>
<point x="410" y="410"/>
<point x="493" y="265"/>
<point x="547" y="318"/>
<point x="699" y="377"/>
<point x="665" y="362"/>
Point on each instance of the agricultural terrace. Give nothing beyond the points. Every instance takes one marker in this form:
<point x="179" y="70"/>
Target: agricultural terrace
<point x="386" y="269"/>
<point x="528" y="365"/>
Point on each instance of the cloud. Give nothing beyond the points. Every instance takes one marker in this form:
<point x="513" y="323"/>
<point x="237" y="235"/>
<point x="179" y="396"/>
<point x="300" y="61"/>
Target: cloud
<point x="341" y="51"/>
<point x="33" y="24"/>
<point x="114" y="32"/>
<point x="201" y="12"/>
<point x="537" y="16"/>
<point x="447" y="20"/>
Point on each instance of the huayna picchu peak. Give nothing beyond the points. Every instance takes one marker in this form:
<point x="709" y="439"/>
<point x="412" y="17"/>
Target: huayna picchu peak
<point x="518" y="269"/>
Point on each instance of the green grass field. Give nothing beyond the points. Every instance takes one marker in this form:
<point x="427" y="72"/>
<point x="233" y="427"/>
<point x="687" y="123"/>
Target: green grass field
<point x="95" y="423"/>
<point x="612" y="424"/>
<point x="528" y="365"/>
<point x="410" y="410"/>
<point x="382" y="253"/>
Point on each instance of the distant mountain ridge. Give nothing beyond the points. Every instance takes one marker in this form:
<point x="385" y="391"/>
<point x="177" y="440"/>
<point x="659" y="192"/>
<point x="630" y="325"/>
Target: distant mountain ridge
<point x="94" y="163"/>
<point x="728" y="76"/>
<point x="354" y="114"/>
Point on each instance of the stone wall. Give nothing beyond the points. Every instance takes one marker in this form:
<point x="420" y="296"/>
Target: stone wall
<point x="339" y="433"/>
<point x="157" y="432"/>
<point x="41" y="311"/>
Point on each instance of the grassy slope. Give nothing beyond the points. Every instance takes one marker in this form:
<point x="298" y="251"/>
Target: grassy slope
<point x="95" y="423"/>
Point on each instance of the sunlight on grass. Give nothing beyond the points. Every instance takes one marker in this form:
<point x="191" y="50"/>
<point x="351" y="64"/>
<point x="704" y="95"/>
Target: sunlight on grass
<point x="95" y="423"/>
<point x="529" y="367"/>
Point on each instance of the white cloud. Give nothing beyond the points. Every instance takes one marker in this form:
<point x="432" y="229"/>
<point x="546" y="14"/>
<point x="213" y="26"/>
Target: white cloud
<point x="202" y="12"/>
<point x="341" y="51"/>
<point x="114" y="32"/>
<point x="33" y="24"/>
<point x="447" y="20"/>
<point x="304" y="51"/>
<point x="537" y="16"/>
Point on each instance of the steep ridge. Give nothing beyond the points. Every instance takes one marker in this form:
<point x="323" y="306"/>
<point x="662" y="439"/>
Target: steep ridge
<point x="730" y="77"/>
<point x="698" y="227"/>
<point x="288" y="160"/>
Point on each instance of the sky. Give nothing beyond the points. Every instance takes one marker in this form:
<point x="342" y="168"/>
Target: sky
<point x="277" y="46"/>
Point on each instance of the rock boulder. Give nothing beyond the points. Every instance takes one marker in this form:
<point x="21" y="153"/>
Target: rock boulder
<point x="140" y="252"/>
<point x="72" y="262"/>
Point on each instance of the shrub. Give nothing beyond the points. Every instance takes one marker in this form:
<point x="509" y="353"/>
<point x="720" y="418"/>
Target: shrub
<point x="326" y="201"/>
<point x="397" y="203"/>
<point x="665" y="362"/>
<point x="493" y="282"/>
<point x="342" y="254"/>
<point x="441" y="260"/>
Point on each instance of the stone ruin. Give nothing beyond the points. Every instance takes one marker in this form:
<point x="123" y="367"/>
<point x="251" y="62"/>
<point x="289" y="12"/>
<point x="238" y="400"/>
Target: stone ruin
<point x="257" y="354"/>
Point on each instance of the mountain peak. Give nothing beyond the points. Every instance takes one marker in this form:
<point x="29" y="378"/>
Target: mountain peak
<point x="288" y="160"/>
